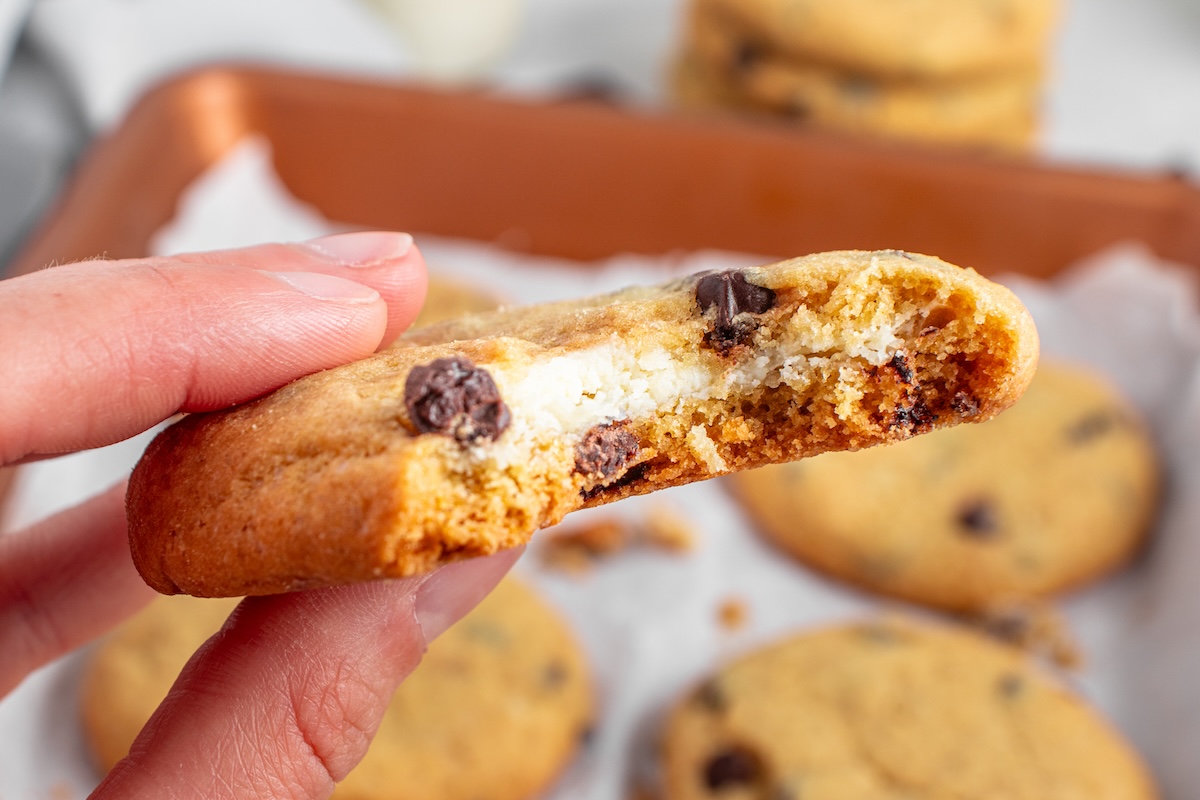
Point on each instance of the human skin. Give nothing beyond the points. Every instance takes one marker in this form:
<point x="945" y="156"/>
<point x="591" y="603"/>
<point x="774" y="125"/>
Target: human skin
<point x="284" y="700"/>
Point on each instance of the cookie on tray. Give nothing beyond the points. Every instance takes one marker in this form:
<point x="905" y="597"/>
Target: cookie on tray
<point x="892" y="710"/>
<point x="470" y="435"/>
<point x="995" y="109"/>
<point x="931" y="39"/>
<point x="447" y="299"/>
<point x="496" y="707"/>
<point x="1058" y="491"/>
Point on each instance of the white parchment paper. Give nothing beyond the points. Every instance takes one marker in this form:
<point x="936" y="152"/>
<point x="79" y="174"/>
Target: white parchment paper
<point x="648" y="619"/>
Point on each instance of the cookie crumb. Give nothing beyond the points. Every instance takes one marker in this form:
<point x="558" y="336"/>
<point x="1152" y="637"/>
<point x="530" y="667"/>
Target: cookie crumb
<point x="1036" y="628"/>
<point x="733" y="613"/>
<point x="577" y="548"/>
<point x="666" y="529"/>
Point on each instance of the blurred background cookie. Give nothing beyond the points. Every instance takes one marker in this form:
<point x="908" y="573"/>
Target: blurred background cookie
<point x="892" y="710"/>
<point x="447" y="298"/>
<point x="496" y="708"/>
<point x="894" y="70"/>
<point x="914" y="38"/>
<point x="1056" y="492"/>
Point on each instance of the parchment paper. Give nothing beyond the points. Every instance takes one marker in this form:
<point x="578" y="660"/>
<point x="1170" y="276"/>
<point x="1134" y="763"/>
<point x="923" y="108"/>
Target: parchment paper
<point x="648" y="619"/>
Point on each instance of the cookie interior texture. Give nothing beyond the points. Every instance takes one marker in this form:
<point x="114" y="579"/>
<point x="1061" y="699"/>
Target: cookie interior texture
<point x="472" y="434"/>
<point x="497" y="707"/>
<point x="892" y="710"/>
<point x="1058" y="491"/>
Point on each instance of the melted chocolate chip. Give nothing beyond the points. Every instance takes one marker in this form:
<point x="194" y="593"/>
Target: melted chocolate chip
<point x="606" y="450"/>
<point x="978" y="520"/>
<point x="731" y="296"/>
<point x="711" y="697"/>
<point x="789" y="791"/>
<point x="858" y="89"/>
<point x="879" y="634"/>
<point x="904" y="371"/>
<point x="554" y="675"/>
<point x="1010" y="685"/>
<point x="633" y="475"/>
<point x="916" y="417"/>
<point x="1091" y="427"/>
<point x="747" y="56"/>
<point x="965" y="404"/>
<point x="736" y="766"/>
<point x="1011" y="625"/>
<point x="454" y="397"/>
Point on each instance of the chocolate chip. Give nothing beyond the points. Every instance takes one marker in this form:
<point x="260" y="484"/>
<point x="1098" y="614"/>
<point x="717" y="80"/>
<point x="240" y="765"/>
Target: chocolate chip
<point x="1010" y="685"/>
<point x="937" y="318"/>
<point x="904" y="371"/>
<point x="1010" y="625"/>
<point x="858" y="89"/>
<point x="736" y="766"/>
<point x="978" y="520"/>
<point x="731" y="296"/>
<point x="711" y="697"/>
<point x="965" y="404"/>
<point x="454" y="397"/>
<point x="916" y="417"/>
<point x="554" y="675"/>
<point x="879" y="633"/>
<point x="747" y="56"/>
<point x="633" y="475"/>
<point x="606" y="450"/>
<point x="788" y="791"/>
<point x="587" y="736"/>
<point x="1091" y="427"/>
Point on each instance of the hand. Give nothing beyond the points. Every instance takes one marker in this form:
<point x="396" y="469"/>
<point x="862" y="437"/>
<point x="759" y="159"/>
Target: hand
<point x="285" y="699"/>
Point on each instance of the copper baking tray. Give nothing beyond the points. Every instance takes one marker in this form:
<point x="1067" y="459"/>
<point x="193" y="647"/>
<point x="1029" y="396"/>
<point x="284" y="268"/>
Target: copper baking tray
<point x="585" y="180"/>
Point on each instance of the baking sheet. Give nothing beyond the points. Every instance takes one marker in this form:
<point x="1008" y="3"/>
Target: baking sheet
<point x="649" y="620"/>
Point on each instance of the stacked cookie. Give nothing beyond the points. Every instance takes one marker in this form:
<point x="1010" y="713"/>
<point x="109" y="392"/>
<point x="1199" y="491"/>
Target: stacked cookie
<point x="965" y="72"/>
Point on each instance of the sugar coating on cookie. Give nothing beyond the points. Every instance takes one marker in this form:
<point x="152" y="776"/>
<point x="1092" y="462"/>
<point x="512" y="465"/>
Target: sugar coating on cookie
<point x="1057" y="491"/>
<point x="468" y="436"/>
<point x="497" y="707"/>
<point x="892" y="710"/>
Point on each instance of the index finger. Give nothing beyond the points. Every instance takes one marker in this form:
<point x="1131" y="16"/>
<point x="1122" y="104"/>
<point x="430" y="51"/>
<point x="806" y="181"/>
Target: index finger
<point x="99" y="351"/>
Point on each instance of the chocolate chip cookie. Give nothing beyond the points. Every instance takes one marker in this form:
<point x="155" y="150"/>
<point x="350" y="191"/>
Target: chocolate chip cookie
<point x="915" y="38"/>
<point x="496" y="708"/>
<point x="892" y="710"/>
<point x="449" y="299"/>
<point x="994" y="109"/>
<point x="472" y="434"/>
<point x="1056" y="492"/>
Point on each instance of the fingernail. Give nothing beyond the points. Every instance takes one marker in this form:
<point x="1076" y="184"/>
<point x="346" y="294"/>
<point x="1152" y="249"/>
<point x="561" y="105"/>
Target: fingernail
<point x="326" y="287"/>
<point x="449" y="594"/>
<point x="361" y="249"/>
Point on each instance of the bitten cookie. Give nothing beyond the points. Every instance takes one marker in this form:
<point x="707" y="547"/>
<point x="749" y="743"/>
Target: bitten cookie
<point x="472" y="434"/>
<point x="915" y="38"/>
<point x="1057" y="491"/>
<point x="892" y="711"/>
<point x="496" y="708"/>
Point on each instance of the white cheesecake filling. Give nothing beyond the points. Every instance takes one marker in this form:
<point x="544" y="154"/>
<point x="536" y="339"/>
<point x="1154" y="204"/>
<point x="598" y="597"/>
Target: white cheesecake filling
<point x="561" y="398"/>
